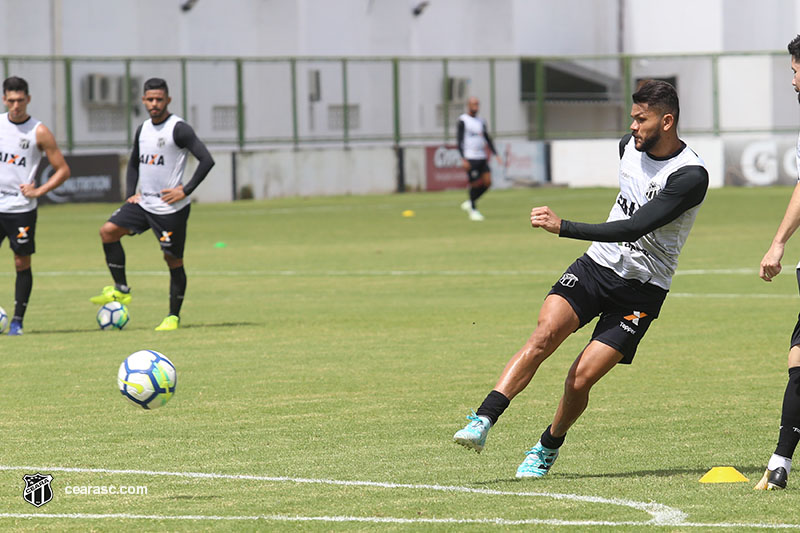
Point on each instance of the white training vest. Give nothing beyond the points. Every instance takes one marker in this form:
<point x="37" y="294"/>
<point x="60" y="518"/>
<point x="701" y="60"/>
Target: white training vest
<point x="19" y="160"/>
<point x="474" y="140"/>
<point x="161" y="165"/>
<point x="654" y="257"/>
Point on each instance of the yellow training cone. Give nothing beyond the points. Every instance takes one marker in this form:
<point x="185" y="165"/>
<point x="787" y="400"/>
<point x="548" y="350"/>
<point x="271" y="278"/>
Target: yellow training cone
<point x="723" y="474"/>
<point x="408" y="213"/>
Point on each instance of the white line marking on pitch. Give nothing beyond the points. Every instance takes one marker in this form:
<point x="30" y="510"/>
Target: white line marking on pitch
<point x="661" y="515"/>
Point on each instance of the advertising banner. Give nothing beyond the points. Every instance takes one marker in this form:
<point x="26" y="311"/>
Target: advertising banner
<point x="95" y="178"/>
<point x="523" y="163"/>
<point x="761" y="161"/>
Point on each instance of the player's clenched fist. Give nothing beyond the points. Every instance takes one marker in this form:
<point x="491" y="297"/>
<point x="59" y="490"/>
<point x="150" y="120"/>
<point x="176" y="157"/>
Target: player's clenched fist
<point x="543" y="217"/>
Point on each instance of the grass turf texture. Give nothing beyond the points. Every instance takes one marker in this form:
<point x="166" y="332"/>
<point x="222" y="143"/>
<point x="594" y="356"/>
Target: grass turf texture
<point x="332" y="338"/>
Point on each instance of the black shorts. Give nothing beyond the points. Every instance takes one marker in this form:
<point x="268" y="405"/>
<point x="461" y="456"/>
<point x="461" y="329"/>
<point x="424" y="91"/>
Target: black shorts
<point x="20" y="228"/>
<point x="796" y="332"/>
<point x="169" y="229"/>
<point x="626" y="307"/>
<point x="477" y="168"/>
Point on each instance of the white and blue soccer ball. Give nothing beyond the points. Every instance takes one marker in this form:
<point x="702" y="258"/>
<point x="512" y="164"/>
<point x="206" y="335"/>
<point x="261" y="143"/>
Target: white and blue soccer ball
<point x="3" y="320"/>
<point x="113" y="315"/>
<point x="147" y="378"/>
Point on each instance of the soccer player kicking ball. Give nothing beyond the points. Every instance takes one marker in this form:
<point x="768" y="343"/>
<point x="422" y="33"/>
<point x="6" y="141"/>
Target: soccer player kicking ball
<point x="780" y="464"/>
<point x="22" y="141"/>
<point x="157" y="163"/>
<point x="623" y="277"/>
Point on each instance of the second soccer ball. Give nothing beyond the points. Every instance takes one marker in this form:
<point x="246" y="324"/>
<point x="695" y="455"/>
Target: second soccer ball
<point x="112" y="315"/>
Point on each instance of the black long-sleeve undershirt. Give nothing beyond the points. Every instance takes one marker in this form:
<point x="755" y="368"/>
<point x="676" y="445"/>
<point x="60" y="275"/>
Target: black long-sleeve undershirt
<point x="685" y="188"/>
<point x="185" y="137"/>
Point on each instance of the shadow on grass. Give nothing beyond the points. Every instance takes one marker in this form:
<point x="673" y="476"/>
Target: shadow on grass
<point x="748" y="471"/>
<point x="187" y="326"/>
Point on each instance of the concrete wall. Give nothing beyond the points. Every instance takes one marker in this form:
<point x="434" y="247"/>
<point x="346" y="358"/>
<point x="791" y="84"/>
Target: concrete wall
<point x="373" y="170"/>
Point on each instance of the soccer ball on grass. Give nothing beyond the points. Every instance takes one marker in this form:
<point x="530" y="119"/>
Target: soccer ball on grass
<point x="112" y="315"/>
<point x="147" y="379"/>
<point x="3" y="320"/>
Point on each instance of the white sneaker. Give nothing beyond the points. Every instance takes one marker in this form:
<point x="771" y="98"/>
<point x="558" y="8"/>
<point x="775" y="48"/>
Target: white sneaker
<point x="475" y="215"/>
<point x="466" y="205"/>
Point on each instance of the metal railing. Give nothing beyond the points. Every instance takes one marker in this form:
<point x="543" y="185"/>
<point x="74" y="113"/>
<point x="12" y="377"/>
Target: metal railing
<point x="94" y="103"/>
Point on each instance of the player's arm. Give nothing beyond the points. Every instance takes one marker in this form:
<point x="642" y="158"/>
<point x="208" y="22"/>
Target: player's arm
<point x="771" y="263"/>
<point x="489" y="142"/>
<point x="47" y="144"/>
<point x="132" y="176"/>
<point x="685" y="188"/>
<point x="185" y="137"/>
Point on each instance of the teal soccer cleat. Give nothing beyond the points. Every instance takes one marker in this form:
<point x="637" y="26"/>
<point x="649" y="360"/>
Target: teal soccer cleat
<point x="15" y="329"/>
<point x="473" y="436"/>
<point x="538" y="461"/>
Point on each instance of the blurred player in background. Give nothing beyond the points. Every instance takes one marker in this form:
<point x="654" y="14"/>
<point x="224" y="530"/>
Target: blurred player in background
<point x="157" y="164"/>
<point x="23" y="139"/>
<point x="623" y="277"/>
<point x="780" y="464"/>
<point x="473" y="138"/>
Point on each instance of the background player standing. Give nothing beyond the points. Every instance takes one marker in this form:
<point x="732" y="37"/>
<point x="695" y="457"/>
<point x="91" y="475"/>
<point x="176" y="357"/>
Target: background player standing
<point x="23" y="139"/>
<point x="624" y="276"/>
<point x="780" y="464"/>
<point x="157" y="164"/>
<point x="473" y="138"/>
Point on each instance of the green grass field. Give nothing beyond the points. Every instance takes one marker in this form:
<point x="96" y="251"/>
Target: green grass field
<point x="332" y="347"/>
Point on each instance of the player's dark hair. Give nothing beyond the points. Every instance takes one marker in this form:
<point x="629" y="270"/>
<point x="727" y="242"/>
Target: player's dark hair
<point x="15" y="84"/>
<point x="794" y="48"/>
<point x="156" y="84"/>
<point x="659" y="95"/>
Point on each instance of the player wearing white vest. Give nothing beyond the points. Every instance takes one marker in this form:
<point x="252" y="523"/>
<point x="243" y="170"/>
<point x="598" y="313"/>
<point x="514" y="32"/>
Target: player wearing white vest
<point x="780" y="463"/>
<point x="623" y="278"/>
<point x="157" y="164"/>
<point x="23" y="139"/>
<point x="473" y="139"/>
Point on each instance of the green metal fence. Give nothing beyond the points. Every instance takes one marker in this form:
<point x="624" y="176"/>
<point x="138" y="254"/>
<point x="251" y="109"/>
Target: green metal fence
<point x="94" y="103"/>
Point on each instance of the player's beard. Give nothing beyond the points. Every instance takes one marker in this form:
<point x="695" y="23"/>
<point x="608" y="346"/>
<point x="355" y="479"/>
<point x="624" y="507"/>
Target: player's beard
<point x="648" y="144"/>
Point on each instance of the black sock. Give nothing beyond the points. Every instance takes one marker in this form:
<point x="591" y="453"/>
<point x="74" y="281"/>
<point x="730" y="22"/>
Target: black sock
<point x="22" y="293"/>
<point x="177" y="288"/>
<point x="549" y="441"/>
<point x="115" y="259"/>
<point x="790" y="416"/>
<point x="493" y="406"/>
<point x="475" y="193"/>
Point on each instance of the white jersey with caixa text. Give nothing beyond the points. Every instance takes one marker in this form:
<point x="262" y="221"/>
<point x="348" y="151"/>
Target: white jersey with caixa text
<point x="161" y="165"/>
<point x="19" y="161"/>
<point x="653" y="258"/>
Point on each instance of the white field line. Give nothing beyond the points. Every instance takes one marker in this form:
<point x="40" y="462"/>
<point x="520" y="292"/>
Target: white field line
<point x="661" y="515"/>
<point x="377" y="273"/>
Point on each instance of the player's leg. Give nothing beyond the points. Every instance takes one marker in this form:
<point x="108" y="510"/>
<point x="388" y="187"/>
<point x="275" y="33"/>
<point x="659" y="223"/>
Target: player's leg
<point x="780" y="464"/>
<point x="594" y="362"/>
<point x="21" y="231"/>
<point x="177" y="290"/>
<point x="480" y="181"/>
<point x="22" y="292"/>
<point x="127" y="220"/>
<point x="557" y="320"/>
<point x="171" y="232"/>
